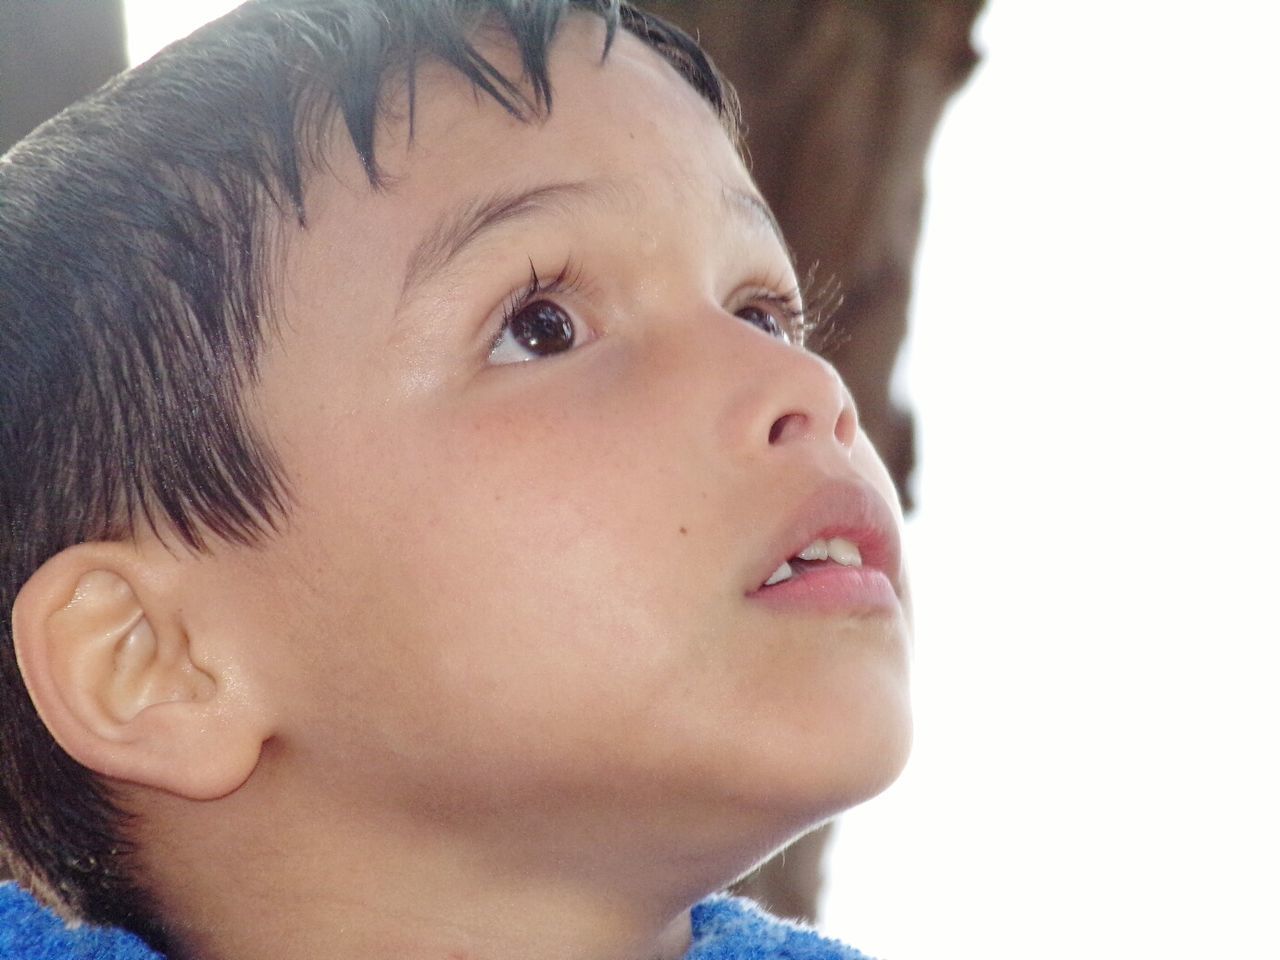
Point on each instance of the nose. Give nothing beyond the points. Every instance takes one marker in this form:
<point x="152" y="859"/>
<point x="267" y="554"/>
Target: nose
<point x="786" y="398"/>
<point x="798" y="425"/>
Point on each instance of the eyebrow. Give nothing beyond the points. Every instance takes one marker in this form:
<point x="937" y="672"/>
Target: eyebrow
<point x="744" y="201"/>
<point x="465" y="225"/>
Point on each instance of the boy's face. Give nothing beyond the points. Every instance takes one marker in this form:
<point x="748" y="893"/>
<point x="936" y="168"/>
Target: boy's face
<point x="528" y="586"/>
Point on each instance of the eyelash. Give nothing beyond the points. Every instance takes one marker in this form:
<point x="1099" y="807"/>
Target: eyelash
<point x="787" y="307"/>
<point x="568" y="280"/>
<point x="796" y="323"/>
<point x="817" y="329"/>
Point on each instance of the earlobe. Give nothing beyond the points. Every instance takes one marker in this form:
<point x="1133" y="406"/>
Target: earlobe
<point x="117" y="679"/>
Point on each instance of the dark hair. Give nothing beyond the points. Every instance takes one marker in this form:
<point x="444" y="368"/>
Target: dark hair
<point x="138" y="230"/>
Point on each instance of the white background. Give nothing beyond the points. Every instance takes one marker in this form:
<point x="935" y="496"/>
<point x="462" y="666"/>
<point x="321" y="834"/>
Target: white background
<point x="1093" y="367"/>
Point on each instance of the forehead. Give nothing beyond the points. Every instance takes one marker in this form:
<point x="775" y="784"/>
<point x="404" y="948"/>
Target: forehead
<point x="625" y="117"/>
<point x="629" y="152"/>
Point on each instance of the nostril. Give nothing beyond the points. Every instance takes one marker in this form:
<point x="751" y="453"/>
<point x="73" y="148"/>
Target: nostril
<point x="846" y="427"/>
<point x="786" y="427"/>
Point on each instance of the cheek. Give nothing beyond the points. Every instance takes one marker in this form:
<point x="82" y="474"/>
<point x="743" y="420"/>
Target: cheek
<point x="867" y="463"/>
<point x="529" y="480"/>
<point x="506" y="596"/>
<point x="577" y="464"/>
<point x="511" y="519"/>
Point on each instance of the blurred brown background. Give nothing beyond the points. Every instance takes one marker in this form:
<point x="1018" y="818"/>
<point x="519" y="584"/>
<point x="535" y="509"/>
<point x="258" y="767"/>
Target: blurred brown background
<point x="841" y="99"/>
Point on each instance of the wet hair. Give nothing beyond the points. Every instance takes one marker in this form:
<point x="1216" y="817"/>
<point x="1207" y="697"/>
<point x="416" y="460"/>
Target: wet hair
<point x="138" y="233"/>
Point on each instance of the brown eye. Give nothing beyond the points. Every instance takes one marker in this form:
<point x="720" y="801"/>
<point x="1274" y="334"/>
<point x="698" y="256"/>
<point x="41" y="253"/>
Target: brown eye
<point x="763" y="319"/>
<point x="540" y="329"/>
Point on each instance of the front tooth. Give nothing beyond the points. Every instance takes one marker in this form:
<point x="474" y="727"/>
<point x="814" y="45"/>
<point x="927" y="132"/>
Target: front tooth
<point x="814" y="551"/>
<point x="844" y="553"/>
<point x="782" y="573"/>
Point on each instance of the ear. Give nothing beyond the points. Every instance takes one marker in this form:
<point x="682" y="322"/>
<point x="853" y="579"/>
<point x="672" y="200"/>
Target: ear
<point x="122" y="687"/>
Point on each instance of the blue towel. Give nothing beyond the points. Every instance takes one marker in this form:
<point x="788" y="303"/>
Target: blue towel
<point x="724" y="928"/>
<point x="29" y="932"/>
<point x="729" y="928"/>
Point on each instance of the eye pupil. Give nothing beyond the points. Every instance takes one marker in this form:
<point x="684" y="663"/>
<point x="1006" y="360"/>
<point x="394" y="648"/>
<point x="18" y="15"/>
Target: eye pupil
<point x="542" y="328"/>
<point x="762" y="319"/>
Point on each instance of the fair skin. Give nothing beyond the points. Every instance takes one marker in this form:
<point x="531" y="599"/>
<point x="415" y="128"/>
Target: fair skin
<point x="501" y="687"/>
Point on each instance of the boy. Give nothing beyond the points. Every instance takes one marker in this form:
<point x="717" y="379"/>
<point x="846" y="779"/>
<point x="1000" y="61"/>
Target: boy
<point x="426" y="536"/>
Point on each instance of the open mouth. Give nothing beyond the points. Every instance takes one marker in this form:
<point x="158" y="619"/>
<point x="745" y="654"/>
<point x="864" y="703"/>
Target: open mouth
<point x="836" y="551"/>
<point x="838" y="554"/>
<point x="829" y="577"/>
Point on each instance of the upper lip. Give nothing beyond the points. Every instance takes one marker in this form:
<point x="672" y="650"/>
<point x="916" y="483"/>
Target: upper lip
<point x="851" y="509"/>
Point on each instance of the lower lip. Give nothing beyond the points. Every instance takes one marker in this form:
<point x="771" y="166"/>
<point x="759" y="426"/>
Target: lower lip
<point x="832" y="590"/>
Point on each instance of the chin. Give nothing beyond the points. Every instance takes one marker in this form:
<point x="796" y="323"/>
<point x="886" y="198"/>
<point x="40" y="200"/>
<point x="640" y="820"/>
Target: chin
<point x="847" y="756"/>
<point x="804" y="798"/>
<point x="846" y="781"/>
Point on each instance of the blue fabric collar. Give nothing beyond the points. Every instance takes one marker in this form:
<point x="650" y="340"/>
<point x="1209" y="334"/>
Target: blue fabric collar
<point x="29" y="932"/>
<point x="728" y="928"/>
<point x="724" y="928"/>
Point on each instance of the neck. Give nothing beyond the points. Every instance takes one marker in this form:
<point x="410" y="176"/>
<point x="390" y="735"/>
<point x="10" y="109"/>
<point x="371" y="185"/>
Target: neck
<point x="314" y="887"/>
